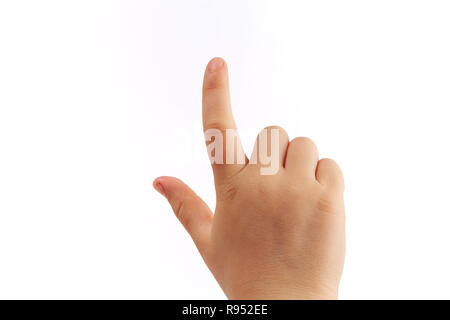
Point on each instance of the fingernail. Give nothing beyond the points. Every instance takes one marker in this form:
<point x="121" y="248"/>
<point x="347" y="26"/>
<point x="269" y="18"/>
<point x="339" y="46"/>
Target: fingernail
<point x="215" y="64"/>
<point x="159" y="187"/>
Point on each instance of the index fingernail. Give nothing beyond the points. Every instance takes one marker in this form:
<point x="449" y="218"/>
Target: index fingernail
<point x="215" y="64"/>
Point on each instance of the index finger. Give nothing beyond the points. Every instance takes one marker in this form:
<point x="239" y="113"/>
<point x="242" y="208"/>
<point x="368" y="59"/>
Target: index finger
<point x="218" y="118"/>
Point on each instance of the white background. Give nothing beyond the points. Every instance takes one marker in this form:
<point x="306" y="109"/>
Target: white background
<point x="98" y="98"/>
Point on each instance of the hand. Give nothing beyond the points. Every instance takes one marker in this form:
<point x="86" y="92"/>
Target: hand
<point x="272" y="236"/>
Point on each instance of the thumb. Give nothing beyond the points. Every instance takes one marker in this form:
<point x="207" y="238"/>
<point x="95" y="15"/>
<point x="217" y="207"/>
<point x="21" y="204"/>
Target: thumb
<point x="192" y="212"/>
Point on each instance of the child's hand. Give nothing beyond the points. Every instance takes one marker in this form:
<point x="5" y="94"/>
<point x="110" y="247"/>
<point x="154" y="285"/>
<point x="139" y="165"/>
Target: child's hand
<point x="272" y="236"/>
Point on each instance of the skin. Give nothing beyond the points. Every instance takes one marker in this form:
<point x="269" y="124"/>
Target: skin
<point x="278" y="236"/>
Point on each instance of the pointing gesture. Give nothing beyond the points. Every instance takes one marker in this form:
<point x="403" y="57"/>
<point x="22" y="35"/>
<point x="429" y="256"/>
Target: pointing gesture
<point x="278" y="228"/>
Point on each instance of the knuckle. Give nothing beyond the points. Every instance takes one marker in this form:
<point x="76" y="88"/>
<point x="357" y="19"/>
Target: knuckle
<point x="328" y="162"/>
<point x="304" y="142"/>
<point x="212" y="84"/>
<point x="332" y="168"/>
<point x="227" y="190"/>
<point x="269" y="128"/>
<point x="231" y="192"/>
<point x="327" y="204"/>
